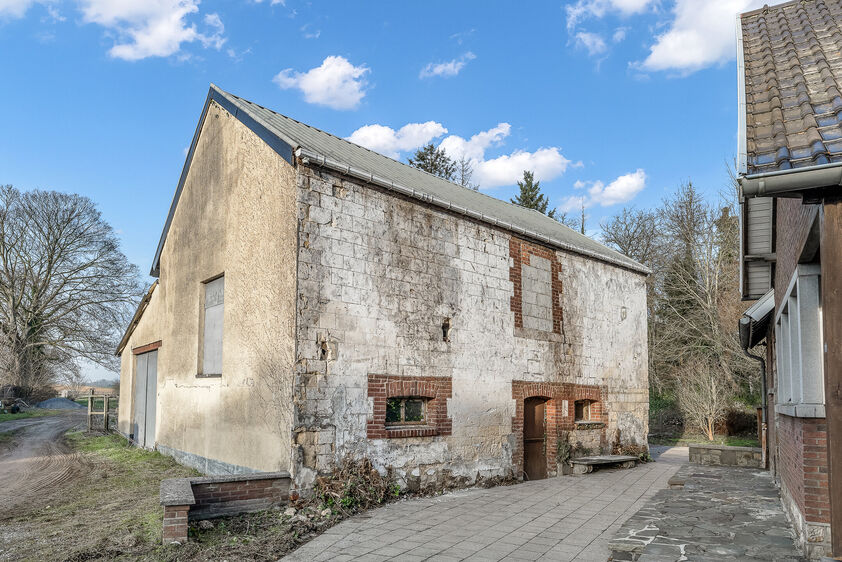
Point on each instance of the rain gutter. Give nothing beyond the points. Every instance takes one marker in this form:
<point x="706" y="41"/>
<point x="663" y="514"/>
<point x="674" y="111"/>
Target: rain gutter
<point x="781" y="182"/>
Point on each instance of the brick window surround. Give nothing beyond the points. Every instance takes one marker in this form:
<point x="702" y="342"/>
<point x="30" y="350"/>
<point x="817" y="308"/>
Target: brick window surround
<point x="557" y="418"/>
<point x="435" y="389"/>
<point x="520" y="251"/>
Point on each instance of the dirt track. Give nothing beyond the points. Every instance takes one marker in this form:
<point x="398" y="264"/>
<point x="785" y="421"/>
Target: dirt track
<point x="38" y="460"/>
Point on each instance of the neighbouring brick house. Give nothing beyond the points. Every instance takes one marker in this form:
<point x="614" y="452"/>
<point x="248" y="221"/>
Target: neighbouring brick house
<point x="790" y="177"/>
<point x="316" y="299"/>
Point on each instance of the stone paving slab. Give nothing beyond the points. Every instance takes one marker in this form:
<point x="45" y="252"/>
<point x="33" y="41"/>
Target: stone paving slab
<point x="720" y="513"/>
<point x="561" y="519"/>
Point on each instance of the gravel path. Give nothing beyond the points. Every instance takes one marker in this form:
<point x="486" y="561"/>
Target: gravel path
<point x="38" y="459"/>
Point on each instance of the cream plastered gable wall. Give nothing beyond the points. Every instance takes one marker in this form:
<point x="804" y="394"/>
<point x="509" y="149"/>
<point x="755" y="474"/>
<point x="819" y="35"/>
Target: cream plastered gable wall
<point x="237" y="217"/>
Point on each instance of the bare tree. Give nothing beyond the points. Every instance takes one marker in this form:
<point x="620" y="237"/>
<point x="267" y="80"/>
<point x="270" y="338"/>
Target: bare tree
<point x="66" y="290"/>
<point x="703" y="398"/>
<point x="464" y="174"/>
<point x="566" y="220"/>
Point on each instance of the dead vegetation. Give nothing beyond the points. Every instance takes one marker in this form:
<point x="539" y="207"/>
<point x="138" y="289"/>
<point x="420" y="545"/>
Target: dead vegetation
<point x="112" y="512"/>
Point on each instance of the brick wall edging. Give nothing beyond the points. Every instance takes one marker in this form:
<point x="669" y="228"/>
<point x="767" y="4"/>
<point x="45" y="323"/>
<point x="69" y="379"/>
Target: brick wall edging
<point x="192" y="499"/>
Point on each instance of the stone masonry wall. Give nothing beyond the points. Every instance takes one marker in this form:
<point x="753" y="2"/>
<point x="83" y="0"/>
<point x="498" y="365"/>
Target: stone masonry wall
<point x="389" y="287"/>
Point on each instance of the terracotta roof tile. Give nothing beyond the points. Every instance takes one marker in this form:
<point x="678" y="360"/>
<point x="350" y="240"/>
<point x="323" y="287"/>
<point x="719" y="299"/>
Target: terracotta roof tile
<point x="793" y="72"/>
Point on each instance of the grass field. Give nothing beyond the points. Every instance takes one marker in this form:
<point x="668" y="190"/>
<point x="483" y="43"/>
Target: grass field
<point x="112" y="403"/>
<point x="33" y="413"/>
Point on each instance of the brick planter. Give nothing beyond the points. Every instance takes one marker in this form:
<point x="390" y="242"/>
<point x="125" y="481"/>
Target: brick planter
<point x="193" y="499"/>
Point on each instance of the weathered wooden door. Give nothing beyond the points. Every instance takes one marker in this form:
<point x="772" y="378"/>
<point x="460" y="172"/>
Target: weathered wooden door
<point x="534" y="439"/>
<point x="145" y="398"/>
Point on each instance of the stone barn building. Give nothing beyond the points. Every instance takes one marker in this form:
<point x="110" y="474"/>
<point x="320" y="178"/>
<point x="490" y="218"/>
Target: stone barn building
<point x="316" y="299"/>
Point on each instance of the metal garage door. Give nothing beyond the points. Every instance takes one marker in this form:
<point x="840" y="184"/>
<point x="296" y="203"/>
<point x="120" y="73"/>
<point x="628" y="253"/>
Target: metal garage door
<point x="145" y="398"/>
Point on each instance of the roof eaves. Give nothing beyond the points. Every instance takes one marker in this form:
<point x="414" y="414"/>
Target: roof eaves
<point x="138" y="314"/>
<point x="309" y="156"/>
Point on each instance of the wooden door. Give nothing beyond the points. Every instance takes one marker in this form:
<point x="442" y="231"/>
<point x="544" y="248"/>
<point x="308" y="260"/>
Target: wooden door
<point x="534" y="439"/>
<point x="145" y="398"/>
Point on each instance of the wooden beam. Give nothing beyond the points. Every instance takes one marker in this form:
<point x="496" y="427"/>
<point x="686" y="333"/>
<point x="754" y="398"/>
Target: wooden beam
<point x="145" y="348"/>
<point x="831" y="256"/>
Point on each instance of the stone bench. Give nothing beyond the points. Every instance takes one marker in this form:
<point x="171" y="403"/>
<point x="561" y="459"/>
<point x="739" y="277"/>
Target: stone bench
<point x="193" y="499"/>
<point x="584" y="465"/>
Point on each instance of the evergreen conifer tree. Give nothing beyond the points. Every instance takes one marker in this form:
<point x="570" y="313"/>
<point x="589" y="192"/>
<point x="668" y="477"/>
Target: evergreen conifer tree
<point x="434" y="160"/>
<point x="530" y="195"/>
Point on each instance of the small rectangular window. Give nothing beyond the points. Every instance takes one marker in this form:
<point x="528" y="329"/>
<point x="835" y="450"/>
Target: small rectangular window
<point x="406" y="410"/>
<point x="582" y="410"/>
<point x="213" y="327"/>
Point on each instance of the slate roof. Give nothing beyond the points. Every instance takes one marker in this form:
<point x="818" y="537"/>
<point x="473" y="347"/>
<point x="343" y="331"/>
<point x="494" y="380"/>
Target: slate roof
<point x="793" y="70"/>
<point x="299" y="135"/>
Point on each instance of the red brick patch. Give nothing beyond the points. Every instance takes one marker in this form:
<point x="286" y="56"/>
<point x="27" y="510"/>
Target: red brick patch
<point x="557" y="419"/>
<point x="519" y="251"/>
<point x="436" y="389"/>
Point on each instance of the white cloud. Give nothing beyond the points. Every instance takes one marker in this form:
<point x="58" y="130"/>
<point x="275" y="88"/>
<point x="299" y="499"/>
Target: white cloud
<point x="546" y="163"/>
<point x="700" y="35"/>
<point x="309" y="33"/>
<point x="621" y="190"/>
<point x="619" y="34"/>
<point x="337" y="83"/>
<point x="152" y="28"/>
<point x="593" y="42"/>
<point x="447" y="69"/>
<point x="390" y="142"/>
<point x="14" y="8"/>
<point x="584" y="9"/>
<point x="475" y="147"/>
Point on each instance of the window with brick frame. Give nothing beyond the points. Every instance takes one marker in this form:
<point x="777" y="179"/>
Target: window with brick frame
<point x="406" y="410"/>
<point x="582" y="410"/>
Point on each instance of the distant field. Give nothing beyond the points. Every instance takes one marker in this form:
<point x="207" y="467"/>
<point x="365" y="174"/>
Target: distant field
<point x="112" y="403"/>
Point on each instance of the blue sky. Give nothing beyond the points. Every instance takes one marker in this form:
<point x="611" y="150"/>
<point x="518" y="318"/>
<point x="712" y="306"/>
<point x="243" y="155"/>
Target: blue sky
<point x="612" y="102"/>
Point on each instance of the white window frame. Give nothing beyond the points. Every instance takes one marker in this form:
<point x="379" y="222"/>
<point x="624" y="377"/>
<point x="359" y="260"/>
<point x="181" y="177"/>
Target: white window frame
<point x="798" y="346"/>
<point x="212" y="332"/>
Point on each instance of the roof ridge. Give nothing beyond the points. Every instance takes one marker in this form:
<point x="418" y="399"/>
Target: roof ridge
<point x="380" y="155"/>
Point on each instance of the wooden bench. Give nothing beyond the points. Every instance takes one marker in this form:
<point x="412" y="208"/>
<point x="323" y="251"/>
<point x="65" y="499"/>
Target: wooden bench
<point x="584" y="465"/>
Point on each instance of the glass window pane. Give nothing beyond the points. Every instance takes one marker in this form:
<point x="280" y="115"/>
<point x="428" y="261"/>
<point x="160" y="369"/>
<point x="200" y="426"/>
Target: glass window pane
<point x="393" y="410"/>
<point x="414" y="410"/>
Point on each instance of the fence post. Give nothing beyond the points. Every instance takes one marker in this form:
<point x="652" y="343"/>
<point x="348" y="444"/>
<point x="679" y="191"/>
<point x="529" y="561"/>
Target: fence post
<point x="90" y="405"/>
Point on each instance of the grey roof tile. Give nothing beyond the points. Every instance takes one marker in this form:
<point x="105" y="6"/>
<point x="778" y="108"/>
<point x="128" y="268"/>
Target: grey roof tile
<point x="300" y="135"/>
<point x="793" y="70"/>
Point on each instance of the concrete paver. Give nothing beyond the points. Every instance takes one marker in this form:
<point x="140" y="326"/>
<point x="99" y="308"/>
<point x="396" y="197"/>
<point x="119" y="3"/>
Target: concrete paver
<point x="564" y="518"/>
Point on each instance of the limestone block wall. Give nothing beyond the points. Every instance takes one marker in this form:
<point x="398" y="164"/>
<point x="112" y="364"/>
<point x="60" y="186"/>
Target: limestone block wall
<point x="395" y="288"/>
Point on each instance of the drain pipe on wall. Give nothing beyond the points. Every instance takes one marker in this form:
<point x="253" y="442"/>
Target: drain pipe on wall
<point x="762" y="402"/>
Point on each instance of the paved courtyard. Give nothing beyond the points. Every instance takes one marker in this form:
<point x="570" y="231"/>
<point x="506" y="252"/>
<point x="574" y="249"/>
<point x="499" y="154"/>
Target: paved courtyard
<point x="560" y="519"/>
<point x="710" y="513"/>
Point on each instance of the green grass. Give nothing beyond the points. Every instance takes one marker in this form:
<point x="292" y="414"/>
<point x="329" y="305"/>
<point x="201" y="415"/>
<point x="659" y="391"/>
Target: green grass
<point x="34" y="413"/>
<point x="6" y="437"/>
<point x="689" y="438"/>
<point x="112" y="403"/>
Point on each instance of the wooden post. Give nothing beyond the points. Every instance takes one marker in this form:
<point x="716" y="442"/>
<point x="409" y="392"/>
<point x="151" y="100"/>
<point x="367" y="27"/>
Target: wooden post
<point x="90" y="409"/>
<point x="105" y="400"/>
<point x="831" y="256"/>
